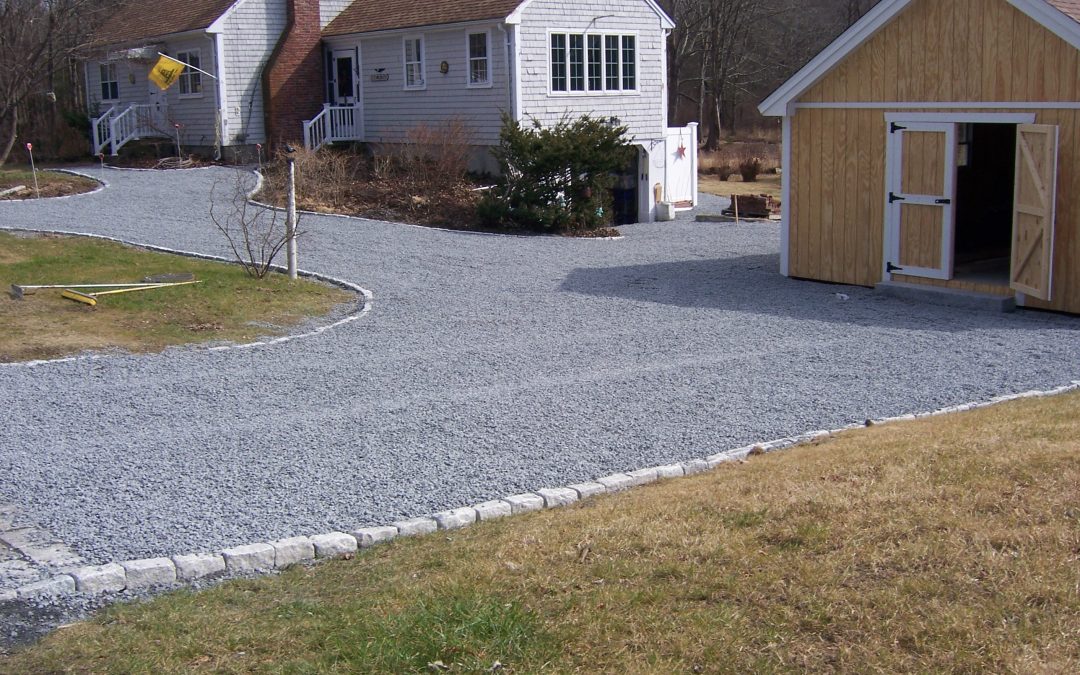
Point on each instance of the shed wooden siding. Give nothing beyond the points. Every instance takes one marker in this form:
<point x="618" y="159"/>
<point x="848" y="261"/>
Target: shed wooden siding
<point x="250" y="34"/>
<point x="391" y="111"/>
<point x="642" y="112"/>
<point x="925" y="55"/>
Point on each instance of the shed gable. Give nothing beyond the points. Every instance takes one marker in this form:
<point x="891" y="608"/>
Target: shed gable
<point x="954" y="50"/>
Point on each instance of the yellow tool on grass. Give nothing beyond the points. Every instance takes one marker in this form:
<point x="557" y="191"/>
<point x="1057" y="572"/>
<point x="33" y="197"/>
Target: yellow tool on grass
<point x="91" y="298"/>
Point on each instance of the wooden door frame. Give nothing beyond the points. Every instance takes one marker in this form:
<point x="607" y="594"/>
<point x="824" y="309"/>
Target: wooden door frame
<point x="891" y="147"/>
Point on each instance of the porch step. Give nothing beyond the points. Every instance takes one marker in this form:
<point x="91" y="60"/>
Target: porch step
<point x="948" y="297"/>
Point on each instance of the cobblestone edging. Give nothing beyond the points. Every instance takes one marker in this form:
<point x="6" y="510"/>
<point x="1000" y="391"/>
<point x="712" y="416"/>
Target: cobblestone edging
<point x="361" y="310"/>
<point x="153" y="573"/>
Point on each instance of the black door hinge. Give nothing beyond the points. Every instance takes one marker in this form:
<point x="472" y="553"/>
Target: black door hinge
<point x="893" y="197"/>
<point x="890" y="268"/>
<point x="894" y="127"/>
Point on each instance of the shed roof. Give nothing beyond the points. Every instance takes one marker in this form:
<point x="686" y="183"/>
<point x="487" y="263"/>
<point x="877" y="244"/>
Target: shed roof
<point x="1061" y="17"/>
<point x="366" y="16"/>
<point x="143" y="20"/>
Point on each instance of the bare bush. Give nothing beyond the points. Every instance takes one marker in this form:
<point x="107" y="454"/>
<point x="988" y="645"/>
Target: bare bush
<point x="750" y="166"/>
<point x="252" y="231"/>
<point x="433" y="158"/>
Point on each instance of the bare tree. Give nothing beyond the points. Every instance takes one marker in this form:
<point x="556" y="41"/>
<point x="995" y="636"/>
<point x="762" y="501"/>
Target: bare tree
<point x="37" y="38"/>
<point x="252" y="230"/>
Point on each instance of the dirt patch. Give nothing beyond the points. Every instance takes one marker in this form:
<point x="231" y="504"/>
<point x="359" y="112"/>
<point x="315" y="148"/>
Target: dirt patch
<point x="17" y="184"/>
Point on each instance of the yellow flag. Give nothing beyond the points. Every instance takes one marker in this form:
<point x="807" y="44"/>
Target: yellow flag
<point x="165" y="72"/>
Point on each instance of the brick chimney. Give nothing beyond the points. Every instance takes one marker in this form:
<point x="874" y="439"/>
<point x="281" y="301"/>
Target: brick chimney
<point x="293" y="80"/>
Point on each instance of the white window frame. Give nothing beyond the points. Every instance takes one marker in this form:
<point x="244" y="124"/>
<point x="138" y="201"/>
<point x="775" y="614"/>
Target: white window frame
<point x="586" y="89"/>
<point x="405" y="63"/>
<point x="189" y="76"/>
<point x="105" y="69"/>
<point x="469" y="58"/>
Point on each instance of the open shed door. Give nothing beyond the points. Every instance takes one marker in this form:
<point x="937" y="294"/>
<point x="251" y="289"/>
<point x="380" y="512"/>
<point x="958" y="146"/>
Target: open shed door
<point x="921" y="191"/>
<point x="1031" y="271"/>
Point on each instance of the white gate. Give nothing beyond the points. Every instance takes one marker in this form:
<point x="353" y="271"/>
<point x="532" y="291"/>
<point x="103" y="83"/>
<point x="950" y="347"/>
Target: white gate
<point x="681" y="167"/>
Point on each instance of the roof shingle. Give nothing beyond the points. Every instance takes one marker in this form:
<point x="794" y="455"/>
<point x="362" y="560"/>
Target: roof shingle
<point x="365" y="16"/>
<point x="1070" y="8"/>
<point x="142" y="19"/>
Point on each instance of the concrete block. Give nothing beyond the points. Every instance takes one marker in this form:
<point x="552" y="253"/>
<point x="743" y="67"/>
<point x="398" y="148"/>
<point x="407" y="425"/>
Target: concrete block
<point x="524" y="502"/>
<point x="369" y="536"/>
<point x="63" y="584"/>
<point x="455" y="518"/>
<point x="693" y="466"/>
<point x="333" y="544"/>
<point x="616" y="482"/>
<point x="495" y="508"/>
<point x="416" y="526"/>
<point x="149" y="572"/>
<point x="642" y="476"/>
<point x="96" y="579"/>
<point x="558" y="496"/>
<point x="670" y="471"/>
<point x="291" y="551"/>
<point x="588" y="489"/>
<point x="249" y="558"/>
<point x="198" y="566"/>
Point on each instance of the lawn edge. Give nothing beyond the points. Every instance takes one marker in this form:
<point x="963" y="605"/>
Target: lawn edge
<point x="362" y="308"/>
<point x="102" y="184"/>
<point x="178" y="571"/>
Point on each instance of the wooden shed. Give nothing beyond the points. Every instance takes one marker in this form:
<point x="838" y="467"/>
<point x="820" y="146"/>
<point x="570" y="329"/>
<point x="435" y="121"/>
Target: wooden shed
<point x="937" y="142"/>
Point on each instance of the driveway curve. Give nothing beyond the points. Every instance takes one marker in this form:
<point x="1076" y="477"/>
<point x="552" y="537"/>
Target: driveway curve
<point x="488" y="366"/>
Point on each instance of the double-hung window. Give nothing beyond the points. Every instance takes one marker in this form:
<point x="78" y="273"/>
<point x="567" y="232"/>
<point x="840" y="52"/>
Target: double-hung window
<point x="479" y="59"/>
<point x="593" y="62"/>
<point x="414" y="62"/>
<point x="190" y="80"/>
<point x="110" y="86"/>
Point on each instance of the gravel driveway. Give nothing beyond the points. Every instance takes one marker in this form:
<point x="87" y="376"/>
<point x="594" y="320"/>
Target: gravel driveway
<point x="488" y="366"/>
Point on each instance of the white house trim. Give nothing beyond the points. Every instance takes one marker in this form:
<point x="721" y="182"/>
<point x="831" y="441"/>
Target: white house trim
<point x="939" y="105"/>
<point x="665" y="21"/>
<point x="778" y="103"/>
<point x="785" y="192"/>
<point x="991" y="118"/>
<point x="222" y="87"/>
<point x="488" y="57"/>
<point x="219" y="24"/>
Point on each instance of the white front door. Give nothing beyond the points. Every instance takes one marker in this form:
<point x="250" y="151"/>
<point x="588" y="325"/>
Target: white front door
<point x="344" y="74"/>
<point x="921" y="196"/>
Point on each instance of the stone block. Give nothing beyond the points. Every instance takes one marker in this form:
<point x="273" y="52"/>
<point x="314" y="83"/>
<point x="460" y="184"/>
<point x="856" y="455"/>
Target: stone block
<point x="333" y="544"/>
<point x="249" y="558"/>
<point x="693" y="466"/>
<point x="291" y="551"/>
<point x="588" y="489"/>
<point x="670" y="471"/>
<point x="149" y="572"/>
<point x="616" y="482"/>
<point x="369" y="536"/>
<point x="557" y="496"/>
<point x="198" y="566"/>
<point x="642" y="476"/>
<point x="416" y="526"/>
<point x="63" y="584"/>
<point x="455" y="518"/>
<point x="524" y="502"/>
<point x="96" y="579"/>
<point x="495" y="508"/>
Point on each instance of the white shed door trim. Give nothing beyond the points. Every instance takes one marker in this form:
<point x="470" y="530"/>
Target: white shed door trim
<point x="920" y="198"/>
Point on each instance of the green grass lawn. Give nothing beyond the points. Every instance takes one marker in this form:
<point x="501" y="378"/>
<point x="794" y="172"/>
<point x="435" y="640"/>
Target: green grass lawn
<point x="225" y="305"/>
<point x="943" y="544"/>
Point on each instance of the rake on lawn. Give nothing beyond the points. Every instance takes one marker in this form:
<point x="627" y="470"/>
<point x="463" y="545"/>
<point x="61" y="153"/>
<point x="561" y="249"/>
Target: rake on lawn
<point x="92" y="298"/>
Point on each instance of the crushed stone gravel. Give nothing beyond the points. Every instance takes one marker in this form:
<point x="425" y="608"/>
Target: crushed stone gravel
<point x="488" y="366"/>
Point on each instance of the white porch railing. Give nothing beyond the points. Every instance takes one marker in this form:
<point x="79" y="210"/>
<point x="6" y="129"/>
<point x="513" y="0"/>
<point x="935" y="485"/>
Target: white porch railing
<point x="136" y="121"/>
<point x="101" y="130"/>
<point x="334" y="123"/>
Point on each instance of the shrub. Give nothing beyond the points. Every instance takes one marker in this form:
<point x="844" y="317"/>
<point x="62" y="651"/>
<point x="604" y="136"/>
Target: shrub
<point x="432" y="159"/>
<point x="555" y="178"/>
<point x="750" y="166"/>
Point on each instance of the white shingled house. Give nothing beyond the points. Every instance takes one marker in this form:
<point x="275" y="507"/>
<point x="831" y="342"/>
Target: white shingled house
<point x="394" y="64"/>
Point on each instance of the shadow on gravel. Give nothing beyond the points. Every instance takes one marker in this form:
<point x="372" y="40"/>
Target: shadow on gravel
<point x="752" y="284"/>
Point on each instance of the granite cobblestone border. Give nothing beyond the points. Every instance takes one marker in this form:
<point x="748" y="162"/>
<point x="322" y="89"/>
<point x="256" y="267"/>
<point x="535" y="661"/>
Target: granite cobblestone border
<point x="262" y="557"/>
<point x="362" y="309"/>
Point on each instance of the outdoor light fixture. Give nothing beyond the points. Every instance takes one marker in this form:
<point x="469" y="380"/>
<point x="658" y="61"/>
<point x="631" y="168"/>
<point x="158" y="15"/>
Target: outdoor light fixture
<point x="444" y="67"/>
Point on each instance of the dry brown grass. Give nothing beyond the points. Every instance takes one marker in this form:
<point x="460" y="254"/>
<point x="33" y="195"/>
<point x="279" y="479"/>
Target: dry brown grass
<point x="767" y="184"/>
<point x="227" y="305"/>
<point x="50" y="183"/>
<point x="945" y="544"/>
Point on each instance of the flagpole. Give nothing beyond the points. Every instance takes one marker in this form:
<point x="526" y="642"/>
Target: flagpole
<point x="188" y="65"/>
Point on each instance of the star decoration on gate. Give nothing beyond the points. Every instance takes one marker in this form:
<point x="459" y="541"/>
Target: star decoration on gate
<point x="681" y="152"/>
